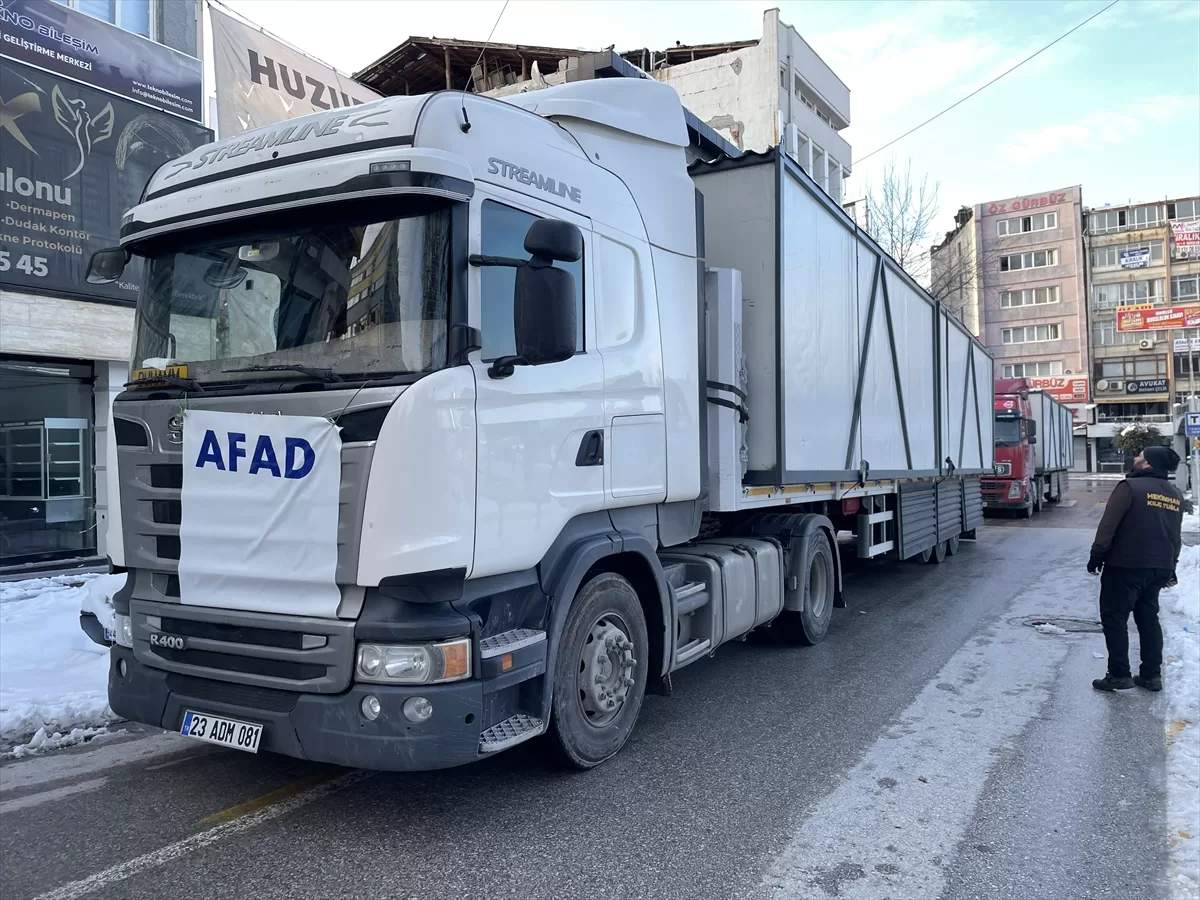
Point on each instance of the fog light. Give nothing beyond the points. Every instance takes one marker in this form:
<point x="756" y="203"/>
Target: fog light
<point x="417" y="709"/>
<point x="122" y="668"/>
<point x="370" y="707"/>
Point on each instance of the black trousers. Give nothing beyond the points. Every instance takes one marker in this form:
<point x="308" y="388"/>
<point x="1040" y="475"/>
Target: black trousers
<point x="1124" y="591"/>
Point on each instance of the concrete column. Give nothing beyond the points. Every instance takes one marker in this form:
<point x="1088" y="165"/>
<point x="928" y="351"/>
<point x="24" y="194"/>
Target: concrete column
<point x="825" y="172"/>
<point x="110" y="380"/>
<point x="836" y="185"/>
<point x="809" y="168"/>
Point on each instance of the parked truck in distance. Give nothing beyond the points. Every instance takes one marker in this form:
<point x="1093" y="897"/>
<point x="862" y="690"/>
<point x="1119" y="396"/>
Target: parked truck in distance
<point x="454" y="421"/>
<point x="1034" y="451"/>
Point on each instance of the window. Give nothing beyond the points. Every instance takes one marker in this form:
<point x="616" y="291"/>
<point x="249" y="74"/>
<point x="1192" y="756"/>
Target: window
<point x="1185" y="288"/>
<point x="1030" y="296"/>
<point x="1033" y="369"/>
<point x="783" y="77"/>
<point x="131" y="15"/>
<point x="1110" y="257"/>
<point x="1024" y="224"/>
<point x="1145" y="216"/>
<point x="1184" y="209"/>
<point x="1131" y="367"/>
<point x="1035" y="259"/>
<point x="504" y="231"/>
<point x="1105" y="334"/>
<point x="1031" y="334"/>
<point x="1106" y="221"/>
<point x="1120" y="412"/>
<point x="1126" y="293"/>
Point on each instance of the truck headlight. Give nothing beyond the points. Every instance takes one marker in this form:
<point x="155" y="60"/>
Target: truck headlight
<point x="1014" y="490"/>
<point x="414" y="663"/>
<point x="123" y="631"/>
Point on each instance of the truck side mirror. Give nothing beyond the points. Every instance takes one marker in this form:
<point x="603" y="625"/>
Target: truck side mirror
<point x="107" y="265"/>
<point x="544" y="325"/>
<point x="1032" y="429"/>
<point x="1032" y="438"/>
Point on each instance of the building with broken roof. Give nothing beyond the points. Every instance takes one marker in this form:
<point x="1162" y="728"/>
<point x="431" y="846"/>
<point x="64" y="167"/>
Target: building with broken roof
<point x="754" y="93"/>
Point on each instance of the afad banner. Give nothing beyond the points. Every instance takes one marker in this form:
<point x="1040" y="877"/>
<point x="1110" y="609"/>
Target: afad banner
<point x="57" y="39"/>
<point x="72" y="160"/>
<point x="1156" y="319"/>
<point x="261" y="81"/>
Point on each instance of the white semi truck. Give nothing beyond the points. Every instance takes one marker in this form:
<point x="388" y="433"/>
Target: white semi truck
<point x="453" y="421"/>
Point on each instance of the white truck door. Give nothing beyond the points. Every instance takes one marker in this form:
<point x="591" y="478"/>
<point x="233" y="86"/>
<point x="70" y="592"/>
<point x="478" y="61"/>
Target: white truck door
<point x="541" y="457"/>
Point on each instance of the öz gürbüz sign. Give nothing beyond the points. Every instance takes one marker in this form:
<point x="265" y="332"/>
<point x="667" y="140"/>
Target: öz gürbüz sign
<point x="72" y="160"/>
<point x="1051" y="199"/>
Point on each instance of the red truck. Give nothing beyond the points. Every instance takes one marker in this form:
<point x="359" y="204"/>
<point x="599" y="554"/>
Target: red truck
<point x="1034" y="451"/>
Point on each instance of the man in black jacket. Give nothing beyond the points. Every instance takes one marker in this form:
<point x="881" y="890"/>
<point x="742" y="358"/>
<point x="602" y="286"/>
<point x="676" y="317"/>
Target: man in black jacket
<point x="1137" y="547"/>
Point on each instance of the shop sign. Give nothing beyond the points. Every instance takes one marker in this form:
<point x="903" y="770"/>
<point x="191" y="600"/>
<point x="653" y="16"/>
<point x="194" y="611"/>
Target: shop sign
<point x="1066" y="389"/>
<point x="1146" y="386"/>
<point x="72" y="160"/>
<point x="1154" y="320"/>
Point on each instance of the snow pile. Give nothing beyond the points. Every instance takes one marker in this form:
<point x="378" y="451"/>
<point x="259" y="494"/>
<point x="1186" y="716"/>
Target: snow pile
<point x="1181" y="679"/>
<point x="1191" y="521"/>
<point x="53" y="677"/>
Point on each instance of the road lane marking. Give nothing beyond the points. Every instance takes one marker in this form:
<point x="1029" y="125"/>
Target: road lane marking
<point x="268" y="799"/>
<point x="31" y="800"/>
<point x="893" y="825"/>
<point x="122" y="871"/>
<point x="73" y="764"/>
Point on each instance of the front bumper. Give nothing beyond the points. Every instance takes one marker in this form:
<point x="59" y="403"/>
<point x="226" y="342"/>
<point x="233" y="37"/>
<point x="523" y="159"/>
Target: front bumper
<point x="996" y="494"/>
<point x="326" y="728"/>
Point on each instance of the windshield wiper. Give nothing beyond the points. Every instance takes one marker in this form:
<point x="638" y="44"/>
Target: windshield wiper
<point x="189" y="384"/>
<point x="326" y="375"/>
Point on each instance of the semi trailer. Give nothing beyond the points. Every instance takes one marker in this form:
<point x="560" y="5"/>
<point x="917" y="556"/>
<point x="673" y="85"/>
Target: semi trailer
<point x="453" y="421"/>
<point x="1034" y="449"/>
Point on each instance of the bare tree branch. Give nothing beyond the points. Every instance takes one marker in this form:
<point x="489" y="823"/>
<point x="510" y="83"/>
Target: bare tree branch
<point x="900" y="217"/>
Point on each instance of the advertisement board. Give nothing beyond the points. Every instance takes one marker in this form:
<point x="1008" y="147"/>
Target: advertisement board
<point x="59" y="40"/>
<point x="1063" y="388"/>
<point x="1135" y="259"/>
<point x="1156" y="319"/>
<point x="1146" y="386"/>
<point x="261" y="81"/>
<point x="72" y="160"/>
<point x="1186" y="237"/>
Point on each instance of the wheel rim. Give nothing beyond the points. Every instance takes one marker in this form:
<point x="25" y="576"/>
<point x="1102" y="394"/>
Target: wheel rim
<point x="818" y="582"/>
<point x="606" y="667"/>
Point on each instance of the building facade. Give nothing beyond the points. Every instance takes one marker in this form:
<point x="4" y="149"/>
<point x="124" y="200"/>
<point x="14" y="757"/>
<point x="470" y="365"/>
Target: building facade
<point x="1144" y="276"/>
<point x="64" y="344"/>
<point x="1014" y="271"/>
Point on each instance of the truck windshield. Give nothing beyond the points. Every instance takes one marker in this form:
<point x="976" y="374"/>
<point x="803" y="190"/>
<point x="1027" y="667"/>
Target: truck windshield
<point x="1007" y="432"/>
<point x="342" y="299"/>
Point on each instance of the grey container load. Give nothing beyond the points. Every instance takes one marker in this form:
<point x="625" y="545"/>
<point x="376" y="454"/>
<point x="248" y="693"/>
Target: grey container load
<point x="1055" y="448"/>
<point x="852" y="366"/>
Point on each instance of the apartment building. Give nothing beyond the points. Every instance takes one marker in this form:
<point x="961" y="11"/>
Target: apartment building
<point x="754" y="93"/>
<point x="1144" y="276"/>
<point x="1014" y="272"/>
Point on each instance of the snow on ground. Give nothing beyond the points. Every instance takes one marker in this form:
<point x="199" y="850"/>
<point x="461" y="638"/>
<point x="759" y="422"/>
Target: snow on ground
<point x="1180" y="616"/>
<point x="53" y="678"/>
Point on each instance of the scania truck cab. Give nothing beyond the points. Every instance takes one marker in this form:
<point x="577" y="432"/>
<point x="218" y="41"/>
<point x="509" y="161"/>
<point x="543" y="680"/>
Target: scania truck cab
<point x="420" y="455"/>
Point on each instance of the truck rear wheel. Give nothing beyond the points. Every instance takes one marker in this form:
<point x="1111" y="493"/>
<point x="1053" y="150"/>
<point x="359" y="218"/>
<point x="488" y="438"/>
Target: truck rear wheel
<point x="937" y="553"/>
<point x="600" y="672"/>
<point x="952" y="545"/>
<point x="810" y="624"/>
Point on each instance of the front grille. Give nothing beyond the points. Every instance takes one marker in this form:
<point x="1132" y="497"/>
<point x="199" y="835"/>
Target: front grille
<point x="236" y="634"/>
<point x="167" y="585"/>
<point x="167" y="546"/>
<point x="166" y="475"/>
<point x="166" y="512"/>
<point x="245" y="665"/>
<point x="230" y="694"/>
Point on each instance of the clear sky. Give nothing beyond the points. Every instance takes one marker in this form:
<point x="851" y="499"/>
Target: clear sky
<point x="1115" y="107"/>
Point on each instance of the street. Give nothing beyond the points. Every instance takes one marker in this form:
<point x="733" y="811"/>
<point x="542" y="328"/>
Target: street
<point x="935" y="745"/>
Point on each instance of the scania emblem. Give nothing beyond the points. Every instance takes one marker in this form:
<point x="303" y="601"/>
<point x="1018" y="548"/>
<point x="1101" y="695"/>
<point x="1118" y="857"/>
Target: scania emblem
<point x="175" y="429"/>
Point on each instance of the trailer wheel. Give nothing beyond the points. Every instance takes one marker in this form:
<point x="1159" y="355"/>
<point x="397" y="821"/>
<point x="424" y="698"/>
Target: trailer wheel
<point x="937" y="553"/>
<point x="600" y="672"/>
<point x="952" y="546"/>
<point x="810" y="624"/>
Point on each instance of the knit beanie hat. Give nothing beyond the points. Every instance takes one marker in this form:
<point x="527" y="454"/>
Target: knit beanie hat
<point x="1163" y="458"/>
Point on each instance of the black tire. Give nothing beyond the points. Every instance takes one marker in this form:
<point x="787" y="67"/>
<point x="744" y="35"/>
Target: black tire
<point x="937" y="553"/>
<point x="1036" y="494"/>
<point x="583" y="737"/>
<point x="1025" y="512"/>
<point x="817" y="575"/>
<point x="952" y="546"/>
<point x="924" y="556"/>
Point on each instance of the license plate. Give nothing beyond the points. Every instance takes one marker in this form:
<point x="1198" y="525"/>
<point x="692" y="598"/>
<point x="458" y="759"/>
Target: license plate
<point x="219" y="730"/>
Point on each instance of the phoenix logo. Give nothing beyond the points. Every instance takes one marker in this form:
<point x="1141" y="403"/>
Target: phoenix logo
<point x="86" y="129"/>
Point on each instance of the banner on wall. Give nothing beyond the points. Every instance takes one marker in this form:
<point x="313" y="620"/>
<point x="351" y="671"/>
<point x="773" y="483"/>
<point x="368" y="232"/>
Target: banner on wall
<point x="72" y="160"/>
<point x="261" y="81"/>
<point x="59" y="40"/>
<point x="1153" y="320"/>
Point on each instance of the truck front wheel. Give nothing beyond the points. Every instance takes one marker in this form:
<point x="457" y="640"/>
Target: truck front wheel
<point x="600" y="672"/>
<point x="816" y="572"/>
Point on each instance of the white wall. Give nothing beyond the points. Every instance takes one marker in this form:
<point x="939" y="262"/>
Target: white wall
<point x="73" y="329"/>
<point x="110" y="380"/>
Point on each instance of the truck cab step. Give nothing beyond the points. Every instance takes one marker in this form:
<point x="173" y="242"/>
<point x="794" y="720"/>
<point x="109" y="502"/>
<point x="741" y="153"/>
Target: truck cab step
<point x="509" y="641"/>
<point x="689" y="652"/>
<point x="690" y="597"/>
<point x="510" y="732"/>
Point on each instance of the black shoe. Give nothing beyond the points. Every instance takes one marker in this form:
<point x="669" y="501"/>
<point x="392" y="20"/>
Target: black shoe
<point x="1109" y="683"/>
<point x="1149" y="684"/>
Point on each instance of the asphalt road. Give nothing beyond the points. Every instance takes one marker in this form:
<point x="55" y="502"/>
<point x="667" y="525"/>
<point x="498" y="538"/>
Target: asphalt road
<point x="933" y="746"/>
